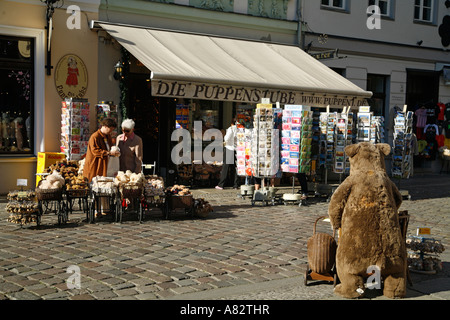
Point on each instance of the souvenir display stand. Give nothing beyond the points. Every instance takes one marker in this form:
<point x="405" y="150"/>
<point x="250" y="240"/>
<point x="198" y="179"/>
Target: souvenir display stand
<point x="423" y="255"/>
<point x="343" y="137"/>
<point x="377" y="131"/>
<point x="264" y="151"/>
<point x="22" y="207"/>
<point x="402" y="156"/>
<point x="337" y="131"/>
<point x="74" y="128"/>
<point x="243" y="160"/>
<point x="296" y="142"/>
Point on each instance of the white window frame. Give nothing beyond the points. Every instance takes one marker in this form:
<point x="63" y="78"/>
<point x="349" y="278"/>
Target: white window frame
<point x="330" y="5"/>
<point x="422" y="7"/>
<point x="39" y="79"/>
<point x="389" y="8"/>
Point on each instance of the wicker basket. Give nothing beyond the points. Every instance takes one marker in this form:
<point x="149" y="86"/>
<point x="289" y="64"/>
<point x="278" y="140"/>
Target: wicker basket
<point x="48" y="194"/>
<point x="155" y="199"/>
<point x="131" y="192"/>
<point x="181" y="201"/>
<point x="77" y="193"/>
<point x="322" y="251"/>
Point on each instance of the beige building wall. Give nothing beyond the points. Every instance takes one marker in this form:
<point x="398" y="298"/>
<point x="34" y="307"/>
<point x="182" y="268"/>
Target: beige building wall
<point x="28" y="18"/>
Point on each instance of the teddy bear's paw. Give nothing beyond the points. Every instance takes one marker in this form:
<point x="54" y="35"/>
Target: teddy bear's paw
<point x="394" y="294"/>
<point x="349" y="293"/>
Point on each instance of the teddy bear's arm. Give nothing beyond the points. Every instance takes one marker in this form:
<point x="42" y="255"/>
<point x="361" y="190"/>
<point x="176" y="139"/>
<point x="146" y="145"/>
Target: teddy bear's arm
<point x="338" y="202"/>
<point x="397" y="195"/>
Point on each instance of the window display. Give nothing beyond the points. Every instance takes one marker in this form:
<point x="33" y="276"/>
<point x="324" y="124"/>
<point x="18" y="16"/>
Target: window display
<point x="16" y="96"/>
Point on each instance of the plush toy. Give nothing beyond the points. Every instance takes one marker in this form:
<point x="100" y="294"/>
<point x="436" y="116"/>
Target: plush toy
<point x="365" y="209"/>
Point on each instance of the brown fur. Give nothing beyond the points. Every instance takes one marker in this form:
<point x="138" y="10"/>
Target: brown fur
<point x="365" y="208"/>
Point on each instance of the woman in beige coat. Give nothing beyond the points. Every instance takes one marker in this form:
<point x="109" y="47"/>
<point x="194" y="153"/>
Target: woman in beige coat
<point x="130" y="146"/>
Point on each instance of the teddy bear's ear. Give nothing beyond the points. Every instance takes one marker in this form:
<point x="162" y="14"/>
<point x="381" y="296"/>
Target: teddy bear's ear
<point x="351" y="150"/>
<point x="384" y="148"/>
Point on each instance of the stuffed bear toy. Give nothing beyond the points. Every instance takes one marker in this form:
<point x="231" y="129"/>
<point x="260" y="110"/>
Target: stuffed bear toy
<point x="365" y="209"/>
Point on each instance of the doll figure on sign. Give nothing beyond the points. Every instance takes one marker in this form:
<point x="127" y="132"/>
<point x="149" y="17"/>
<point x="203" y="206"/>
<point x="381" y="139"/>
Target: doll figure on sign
<point x="365" y="209"/>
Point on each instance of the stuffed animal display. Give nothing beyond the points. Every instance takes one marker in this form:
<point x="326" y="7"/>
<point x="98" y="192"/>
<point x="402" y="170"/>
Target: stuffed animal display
<point x="365" y="209"/>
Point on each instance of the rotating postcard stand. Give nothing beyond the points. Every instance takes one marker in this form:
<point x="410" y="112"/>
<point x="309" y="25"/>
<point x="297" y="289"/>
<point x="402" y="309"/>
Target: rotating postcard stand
<point x="402" y="153"/>
<point x="296" y="139"/>
<point x="243" y="164"/>
<point x="336" y="133"/>
<point x="265" y="152"/>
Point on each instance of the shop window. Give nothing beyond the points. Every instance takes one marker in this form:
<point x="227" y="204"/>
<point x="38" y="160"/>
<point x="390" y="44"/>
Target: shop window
<point x="386" y="7"/>
<point x="424" y="11"/>
<point x="377" y="85"/>
<point x="335" y="5"/>
<point x="16" y="96"/>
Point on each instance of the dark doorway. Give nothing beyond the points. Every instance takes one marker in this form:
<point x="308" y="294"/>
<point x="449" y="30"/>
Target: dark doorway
<point x="422" y="88"/>
<point x="145" y="111"/>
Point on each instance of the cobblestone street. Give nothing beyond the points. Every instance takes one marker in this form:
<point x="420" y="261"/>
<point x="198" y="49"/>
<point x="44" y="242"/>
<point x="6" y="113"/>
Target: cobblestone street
<point x="238" y="252"/>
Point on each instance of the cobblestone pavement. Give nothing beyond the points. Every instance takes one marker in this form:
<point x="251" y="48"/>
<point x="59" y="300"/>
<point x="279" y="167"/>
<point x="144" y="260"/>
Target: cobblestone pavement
<point x="239" y="252"/>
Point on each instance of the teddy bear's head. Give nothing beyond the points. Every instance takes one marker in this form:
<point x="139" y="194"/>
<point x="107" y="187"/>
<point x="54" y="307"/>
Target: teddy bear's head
<point x="366" y="156"/>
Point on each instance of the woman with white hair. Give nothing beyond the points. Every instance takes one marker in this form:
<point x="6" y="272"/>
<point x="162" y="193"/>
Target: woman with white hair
<point x="130" y="146"/>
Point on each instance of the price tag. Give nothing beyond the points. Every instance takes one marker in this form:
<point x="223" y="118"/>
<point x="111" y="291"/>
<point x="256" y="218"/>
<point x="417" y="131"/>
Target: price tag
<point x="22" y="182"/>
<point x="423" y="231"/>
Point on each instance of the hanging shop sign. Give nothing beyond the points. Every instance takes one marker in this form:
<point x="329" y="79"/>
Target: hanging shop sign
<point x="324" y="55"/>
<point x="71" y="77"/>
<point x="203" y="91"/>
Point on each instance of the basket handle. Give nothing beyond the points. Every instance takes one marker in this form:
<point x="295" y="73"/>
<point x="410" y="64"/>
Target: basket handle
<point x="322" y="218"/>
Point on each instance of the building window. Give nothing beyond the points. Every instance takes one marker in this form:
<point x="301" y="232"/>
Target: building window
<point x="377" y="84"/>
<point x="386" y="7"/>
<point x="335" y="4"/>
<point x="424" y="10"/>
<point x="16" y="95"/>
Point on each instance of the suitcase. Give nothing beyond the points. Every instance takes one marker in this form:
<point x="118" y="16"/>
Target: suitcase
<point x="321" y="256"/>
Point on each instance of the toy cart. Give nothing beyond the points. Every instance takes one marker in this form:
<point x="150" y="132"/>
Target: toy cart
<point x="95" y="202"/>
<point x="321" y="257"/>
<point x="185" y="202"/>
<point x="44" y="196"/>
<point x="131" y="198"/>
<point x="154" y="199"/>
<point x="82" y="195"/>
<point x="157" y="201"/>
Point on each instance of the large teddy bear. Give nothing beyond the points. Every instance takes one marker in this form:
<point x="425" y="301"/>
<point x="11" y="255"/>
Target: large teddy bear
<point x="365" y="209"/>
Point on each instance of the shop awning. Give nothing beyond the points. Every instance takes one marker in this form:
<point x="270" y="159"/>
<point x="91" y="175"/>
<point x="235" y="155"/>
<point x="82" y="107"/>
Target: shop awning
<point x="185" y="65"/>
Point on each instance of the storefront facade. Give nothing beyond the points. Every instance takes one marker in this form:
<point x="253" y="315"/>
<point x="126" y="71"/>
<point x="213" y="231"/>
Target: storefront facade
<point x="397" y="51"/>
<point x="154" y="101"/>
<point x="30" y="99"/>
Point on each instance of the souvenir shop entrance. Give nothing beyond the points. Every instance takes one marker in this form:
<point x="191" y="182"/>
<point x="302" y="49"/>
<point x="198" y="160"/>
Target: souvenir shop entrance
<point x="422" y="98"/>
<point x="422" y="88"/>
<point x="192" y="72"/>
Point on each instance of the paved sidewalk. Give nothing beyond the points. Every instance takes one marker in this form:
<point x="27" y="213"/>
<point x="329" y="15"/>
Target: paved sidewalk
<point x="238" y="252"/>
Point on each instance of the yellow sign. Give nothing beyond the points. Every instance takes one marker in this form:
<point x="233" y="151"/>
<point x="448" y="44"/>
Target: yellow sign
<point x="423" y="231"/>
<point x="46" y="159"/>
<point x="71" y="77"/>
